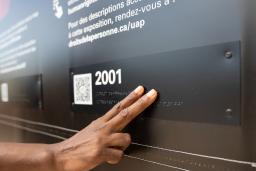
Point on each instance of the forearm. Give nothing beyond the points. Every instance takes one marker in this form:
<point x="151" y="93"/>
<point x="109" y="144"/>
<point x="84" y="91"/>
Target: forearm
<point x="101" y="141"/>
<point x="27" y="157"/>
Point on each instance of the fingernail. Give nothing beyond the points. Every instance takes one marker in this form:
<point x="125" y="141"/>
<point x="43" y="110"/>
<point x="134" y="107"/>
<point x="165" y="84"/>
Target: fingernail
<point x="152" y="93"/>
<point x="139" y="90"/>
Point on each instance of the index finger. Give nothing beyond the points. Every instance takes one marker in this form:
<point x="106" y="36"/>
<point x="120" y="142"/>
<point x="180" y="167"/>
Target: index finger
<point x="124" y="117"/>
<point x="126" y="102"/>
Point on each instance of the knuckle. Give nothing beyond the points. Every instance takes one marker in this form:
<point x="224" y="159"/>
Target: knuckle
<point x="119" y="106"/>
<point x="95" y="122"/>
<point x="98" y="141"/>
<point x="102" y="127"/>
<point x="124" y="113"/>
<point x="133" y="95"/>
<point x="100" y="120"/>
<point x="96" y="153"/>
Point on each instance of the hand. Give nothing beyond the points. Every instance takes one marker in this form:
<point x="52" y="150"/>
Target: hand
<point x="102" y="141"/>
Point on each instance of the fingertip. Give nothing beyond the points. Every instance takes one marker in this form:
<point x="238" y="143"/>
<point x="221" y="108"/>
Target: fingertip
<point x="128" y="138"/>
<point x="139" y="90"/>
<point x="152" y="94"/>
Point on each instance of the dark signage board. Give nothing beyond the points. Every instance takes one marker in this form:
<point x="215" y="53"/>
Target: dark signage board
<point x="64" y="63"/>
<point x="197" y="84"/>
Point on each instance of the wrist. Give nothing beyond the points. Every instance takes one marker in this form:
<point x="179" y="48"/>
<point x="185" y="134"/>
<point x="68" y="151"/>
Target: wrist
<point x="66" y="157"/>
<point x="57" y="161"/>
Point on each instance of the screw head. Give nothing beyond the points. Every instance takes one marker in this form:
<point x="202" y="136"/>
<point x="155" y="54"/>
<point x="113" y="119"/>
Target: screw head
<point x="228" y="54"/>
<point x="39" y="82"/>
<point x="40" y="105"/>
<point x="229" y="113"/>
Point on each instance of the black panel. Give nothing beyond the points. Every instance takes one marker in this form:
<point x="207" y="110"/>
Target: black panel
<point x="198" y="84"/>
<point x="24" y="91"/>
<point x="204" y="119"/>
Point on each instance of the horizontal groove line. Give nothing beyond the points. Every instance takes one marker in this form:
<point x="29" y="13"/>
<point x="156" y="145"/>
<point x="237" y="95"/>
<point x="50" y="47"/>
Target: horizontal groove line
<point x="62" y="138"/>
<point x="31" y="130"/>
<point x="252" y="164"/>
<point x="37" y="123"/>
<point x="153" y="162"/>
